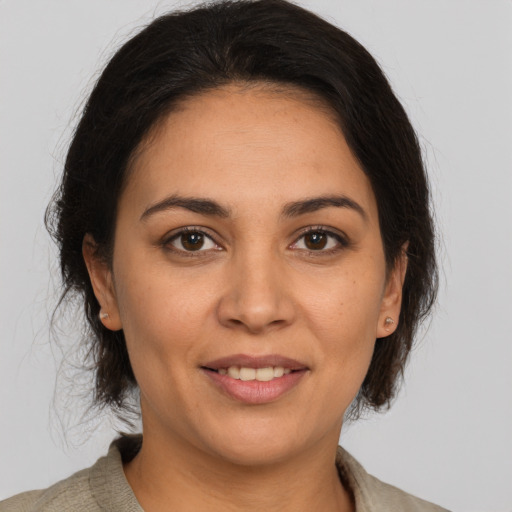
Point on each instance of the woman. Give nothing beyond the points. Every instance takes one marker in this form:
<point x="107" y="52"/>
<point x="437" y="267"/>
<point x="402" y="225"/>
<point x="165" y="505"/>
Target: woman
<point x="245" y="212"/>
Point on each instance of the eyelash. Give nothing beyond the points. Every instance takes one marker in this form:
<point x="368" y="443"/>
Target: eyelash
<point x="341" y="240"/>
<point x="167" y="243"/>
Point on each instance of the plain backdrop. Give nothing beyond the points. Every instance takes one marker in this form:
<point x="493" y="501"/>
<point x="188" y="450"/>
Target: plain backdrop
<point x="448" y="437"/>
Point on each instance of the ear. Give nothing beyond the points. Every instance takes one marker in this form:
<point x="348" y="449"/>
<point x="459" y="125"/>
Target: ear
<point x="102" y="282"/>
<point x="392" y="298"/>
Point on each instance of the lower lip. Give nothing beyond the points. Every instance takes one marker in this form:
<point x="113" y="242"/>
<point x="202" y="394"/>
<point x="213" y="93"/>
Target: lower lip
<point x="254" y="391"/>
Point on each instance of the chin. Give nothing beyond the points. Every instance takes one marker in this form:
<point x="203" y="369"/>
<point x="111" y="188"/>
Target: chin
<point x="253" y="446"/>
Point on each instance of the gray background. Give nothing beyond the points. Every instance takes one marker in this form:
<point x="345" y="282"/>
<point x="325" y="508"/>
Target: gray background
<point x="449" y="436"/>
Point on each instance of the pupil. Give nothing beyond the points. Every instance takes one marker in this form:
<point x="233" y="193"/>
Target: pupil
<point x="316" y="241"/>
<point x="192" y="241"/>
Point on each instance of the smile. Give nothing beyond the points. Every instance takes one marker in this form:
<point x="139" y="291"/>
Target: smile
<point x="255" y="380"/>
<point x="260" y="374"/>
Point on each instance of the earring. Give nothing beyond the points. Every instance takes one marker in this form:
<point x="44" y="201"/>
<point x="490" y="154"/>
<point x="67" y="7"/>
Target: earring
<point x="388" y="322"/>
<point x="103" y="315"/>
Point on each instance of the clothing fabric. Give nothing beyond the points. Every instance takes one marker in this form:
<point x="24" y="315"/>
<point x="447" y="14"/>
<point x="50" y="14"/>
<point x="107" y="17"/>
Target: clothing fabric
<point x="103" y="487"/>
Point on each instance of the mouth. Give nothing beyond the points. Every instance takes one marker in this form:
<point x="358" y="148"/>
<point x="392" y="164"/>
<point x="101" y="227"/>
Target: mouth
<point x="247" y="373"/>
<point x="262" y="368"/>
<point x="255" y="380"/>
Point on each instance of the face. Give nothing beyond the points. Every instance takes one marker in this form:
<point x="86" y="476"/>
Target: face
<point x="248" y="276"/>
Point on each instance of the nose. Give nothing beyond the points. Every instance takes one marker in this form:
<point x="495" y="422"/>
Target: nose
<point x="256" y="299"/>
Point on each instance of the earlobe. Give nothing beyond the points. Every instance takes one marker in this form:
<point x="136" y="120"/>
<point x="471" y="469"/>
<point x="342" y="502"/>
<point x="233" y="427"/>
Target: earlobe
<point x="392" y="299"/>
<point x="102" y="283"/>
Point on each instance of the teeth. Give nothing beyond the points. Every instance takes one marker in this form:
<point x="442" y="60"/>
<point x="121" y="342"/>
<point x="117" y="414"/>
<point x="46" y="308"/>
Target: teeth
<point x="234" y="372"/>
<point x="247" y="373"/>
<point x="260" y="374"/>
<point x="278" y="371"/>
<point x="265" y="374"/>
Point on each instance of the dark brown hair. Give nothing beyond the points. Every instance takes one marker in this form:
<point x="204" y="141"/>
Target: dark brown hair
<point x="272" y="41"/>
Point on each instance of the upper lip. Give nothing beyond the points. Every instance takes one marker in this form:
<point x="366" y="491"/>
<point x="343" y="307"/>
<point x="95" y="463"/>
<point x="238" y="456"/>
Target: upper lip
<point x="249" y="361"/>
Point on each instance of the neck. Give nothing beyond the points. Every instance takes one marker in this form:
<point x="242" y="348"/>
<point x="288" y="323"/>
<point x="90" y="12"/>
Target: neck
<point x="179" y="477"/>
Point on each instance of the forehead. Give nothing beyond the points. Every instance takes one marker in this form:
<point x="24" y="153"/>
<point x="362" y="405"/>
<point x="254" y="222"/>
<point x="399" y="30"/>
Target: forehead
<point x="251" y="145"/>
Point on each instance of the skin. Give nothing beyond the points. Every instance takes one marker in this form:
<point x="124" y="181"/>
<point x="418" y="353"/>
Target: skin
<point x="253" y="288"/>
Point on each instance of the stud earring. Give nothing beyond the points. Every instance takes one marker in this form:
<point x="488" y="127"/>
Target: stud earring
<point x="388" y="323"/>
<point x="103" y="315"/>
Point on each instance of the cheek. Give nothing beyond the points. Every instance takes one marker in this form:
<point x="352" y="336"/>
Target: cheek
<point x="347" y="301"/>
<point x="160" y="328"/>
<point x="160" y="311"/>
<point x="344" y="318"/>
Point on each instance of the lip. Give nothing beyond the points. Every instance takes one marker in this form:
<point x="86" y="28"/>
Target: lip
<point x="255" y="392"/>
<point x="255" y="362"/>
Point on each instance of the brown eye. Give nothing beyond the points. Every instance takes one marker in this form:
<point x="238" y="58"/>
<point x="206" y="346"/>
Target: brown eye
<point x="192" y="241"/>
<point x="321" y="241"/>
<point x="316" y="240"/>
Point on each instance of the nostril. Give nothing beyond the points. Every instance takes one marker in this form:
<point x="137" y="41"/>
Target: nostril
<point x="254" y="311"/>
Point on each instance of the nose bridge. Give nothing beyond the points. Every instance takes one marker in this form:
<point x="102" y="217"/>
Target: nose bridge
<point x="256" y="299"/>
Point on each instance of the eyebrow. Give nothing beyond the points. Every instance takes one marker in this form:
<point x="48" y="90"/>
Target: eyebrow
<point x="314" y="204"/>
<point x="197" y="205"/>
<point x="210" y="207"/>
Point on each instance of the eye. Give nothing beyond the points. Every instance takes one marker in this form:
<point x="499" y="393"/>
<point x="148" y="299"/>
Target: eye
<point x="191" y="240"/>
<point x="319" y="240"/>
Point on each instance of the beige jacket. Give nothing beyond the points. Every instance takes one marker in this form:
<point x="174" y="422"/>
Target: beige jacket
<point x="103" y="487"/>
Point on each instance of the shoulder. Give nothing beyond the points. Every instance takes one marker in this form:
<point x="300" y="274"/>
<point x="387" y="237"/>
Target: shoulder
<point x="67" y="494"/>
<point x="103" y="486"/>
<point x="372" y="495"/>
